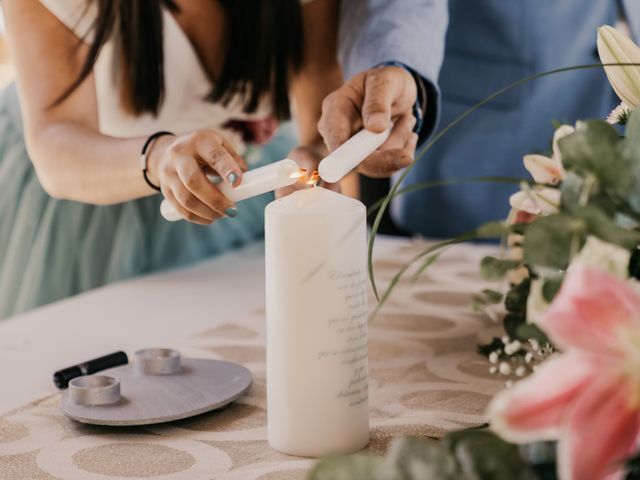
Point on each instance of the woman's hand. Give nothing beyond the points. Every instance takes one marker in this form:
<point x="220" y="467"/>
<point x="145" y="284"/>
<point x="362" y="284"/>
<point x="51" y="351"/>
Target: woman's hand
<point x="308" y="158"/>
<point x="179" y="165"/>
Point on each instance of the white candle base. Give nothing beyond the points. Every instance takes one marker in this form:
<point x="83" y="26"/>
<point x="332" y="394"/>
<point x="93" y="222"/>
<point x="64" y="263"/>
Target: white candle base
<point x="317" y="384"/>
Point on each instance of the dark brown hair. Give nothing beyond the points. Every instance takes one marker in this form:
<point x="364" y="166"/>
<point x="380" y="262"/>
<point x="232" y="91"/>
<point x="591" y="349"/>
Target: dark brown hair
<point x="262" y="44"/>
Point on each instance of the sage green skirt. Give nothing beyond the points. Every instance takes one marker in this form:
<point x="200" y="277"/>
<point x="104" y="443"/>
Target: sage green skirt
<point x="51" y="249"/>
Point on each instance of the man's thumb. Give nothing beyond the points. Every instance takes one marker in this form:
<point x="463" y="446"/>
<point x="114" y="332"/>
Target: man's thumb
<point x="378" y="97"/>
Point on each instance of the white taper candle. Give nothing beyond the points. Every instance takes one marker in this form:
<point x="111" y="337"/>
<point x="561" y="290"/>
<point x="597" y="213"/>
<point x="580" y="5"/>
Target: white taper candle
<point x="254" y="182"/>
<point x="351" y="154"/>
<point x="316" y="307"/>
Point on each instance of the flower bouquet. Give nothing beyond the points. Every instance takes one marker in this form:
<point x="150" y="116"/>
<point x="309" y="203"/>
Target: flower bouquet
<point x="571" y="349"/>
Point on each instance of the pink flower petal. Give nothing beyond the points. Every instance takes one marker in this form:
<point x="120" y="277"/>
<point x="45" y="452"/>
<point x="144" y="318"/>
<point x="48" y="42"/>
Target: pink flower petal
<point x="534" y="408"/>
<point x="591" y="311"/>
<point x="601" y="429"/>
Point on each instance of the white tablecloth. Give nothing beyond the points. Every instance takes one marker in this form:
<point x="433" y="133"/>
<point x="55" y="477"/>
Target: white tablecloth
<point x="424" y="374"/>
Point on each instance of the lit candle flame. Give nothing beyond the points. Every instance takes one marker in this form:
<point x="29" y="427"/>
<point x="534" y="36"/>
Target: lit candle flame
<point x="313" y="180"/>
<point x="299" y="174"/>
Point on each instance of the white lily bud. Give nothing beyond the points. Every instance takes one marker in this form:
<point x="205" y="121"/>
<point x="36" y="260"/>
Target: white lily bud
<point x="615" y="47"/>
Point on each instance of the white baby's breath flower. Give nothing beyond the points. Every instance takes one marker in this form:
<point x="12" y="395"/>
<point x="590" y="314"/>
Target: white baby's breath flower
<point x="504" y="368"/>
<point x="605" y="256"/>
<point x="620" y="114"/>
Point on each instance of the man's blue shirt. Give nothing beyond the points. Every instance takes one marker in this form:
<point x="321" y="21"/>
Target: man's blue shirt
<point x="468" y="49"/>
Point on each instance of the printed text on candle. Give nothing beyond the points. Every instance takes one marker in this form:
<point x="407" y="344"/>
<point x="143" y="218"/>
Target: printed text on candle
<point x="352" y="328"/>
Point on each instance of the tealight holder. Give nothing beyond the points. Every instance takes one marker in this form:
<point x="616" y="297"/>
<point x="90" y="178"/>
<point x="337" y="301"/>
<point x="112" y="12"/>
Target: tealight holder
<point x="94" y="390"/>
<point x="158" y="361"/>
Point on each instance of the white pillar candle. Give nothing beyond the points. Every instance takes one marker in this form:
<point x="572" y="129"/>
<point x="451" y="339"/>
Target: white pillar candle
<point x="316" y="300"/>
<point x="350" y="154"/>
<point x="255" y="182"/>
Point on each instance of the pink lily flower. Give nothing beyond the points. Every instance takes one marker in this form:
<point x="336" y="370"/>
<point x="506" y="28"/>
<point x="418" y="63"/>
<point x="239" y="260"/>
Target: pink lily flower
<point x="587" y="398"/>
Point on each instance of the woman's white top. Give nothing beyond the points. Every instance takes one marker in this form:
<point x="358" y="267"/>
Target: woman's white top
<point x="186" y="82"/>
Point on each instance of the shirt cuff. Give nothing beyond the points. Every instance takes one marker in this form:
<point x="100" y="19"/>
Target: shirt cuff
<point x="426" y="117"/>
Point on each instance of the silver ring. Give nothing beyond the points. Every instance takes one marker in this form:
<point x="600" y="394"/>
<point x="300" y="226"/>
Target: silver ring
<point x="94" y="390"/>
<point x="158" y="361"/>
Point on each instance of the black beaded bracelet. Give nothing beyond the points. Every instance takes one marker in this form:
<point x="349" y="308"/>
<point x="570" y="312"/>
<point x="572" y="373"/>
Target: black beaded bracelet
<point x="144" y="159"/>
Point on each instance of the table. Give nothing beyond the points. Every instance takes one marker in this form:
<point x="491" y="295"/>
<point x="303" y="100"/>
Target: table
<point x="425" y="376"/>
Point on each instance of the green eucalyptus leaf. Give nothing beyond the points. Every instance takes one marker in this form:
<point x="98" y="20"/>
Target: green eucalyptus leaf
<point x="595" y="148"/>
<point x="516" y="299"/>
<point x="547" y="241"/>
<point x="493" y="268"/>
<point x="481" y="455"/>
<point x="525" y="331"/>
<point x="519" y="228"/>
<point x="631" y="142"/>
<point x="415" y="459"/>
<point x="577" y="192"/>
<point x="481" y="300"/>
<point x="492" y="296"/>
<point x="512" y="322"/>
<point x="550" y="288"/>
<point x="493" y="230"/>
<point x="352" y="467"/>
<point x="599" y="224"/>
<point x="631" y="149"/>
<point x="517" y="328"/>
<point x="571" y="191"/>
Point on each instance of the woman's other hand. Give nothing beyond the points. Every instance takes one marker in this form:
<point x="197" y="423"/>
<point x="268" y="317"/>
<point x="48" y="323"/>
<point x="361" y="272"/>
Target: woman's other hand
<point x="179" y="166"/>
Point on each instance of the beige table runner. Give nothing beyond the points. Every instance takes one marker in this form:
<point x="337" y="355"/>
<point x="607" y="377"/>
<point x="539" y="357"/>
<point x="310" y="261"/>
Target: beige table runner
<point x="425" y="379"/>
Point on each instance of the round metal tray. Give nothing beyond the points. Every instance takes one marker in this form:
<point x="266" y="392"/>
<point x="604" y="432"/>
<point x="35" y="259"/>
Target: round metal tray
<point x="199" y="386"/>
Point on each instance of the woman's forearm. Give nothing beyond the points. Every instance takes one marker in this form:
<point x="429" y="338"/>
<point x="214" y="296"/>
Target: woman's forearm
<point x="310" y="88"/>
<point x="320" y="73"/>
<point x="73" y="162"/>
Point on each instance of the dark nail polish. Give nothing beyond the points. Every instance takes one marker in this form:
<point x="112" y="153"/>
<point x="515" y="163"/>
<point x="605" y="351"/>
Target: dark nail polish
<point x="232" y="178"/>
<point x="231" y="212"/>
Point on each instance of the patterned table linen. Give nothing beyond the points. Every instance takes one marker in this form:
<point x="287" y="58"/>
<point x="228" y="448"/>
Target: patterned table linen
<point x="425" y="379"/>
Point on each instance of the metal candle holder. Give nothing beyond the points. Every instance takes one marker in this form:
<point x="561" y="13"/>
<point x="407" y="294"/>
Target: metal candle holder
<point x="94" y="390"/>
<point x="158" y="361"/>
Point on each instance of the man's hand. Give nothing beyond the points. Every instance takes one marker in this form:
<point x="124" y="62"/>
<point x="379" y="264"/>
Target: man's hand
<point x="371" y="100"/>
